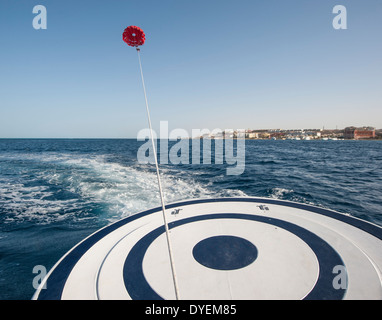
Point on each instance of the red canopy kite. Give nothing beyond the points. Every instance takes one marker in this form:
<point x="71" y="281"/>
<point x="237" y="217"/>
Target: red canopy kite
<point x="134" y="36"/>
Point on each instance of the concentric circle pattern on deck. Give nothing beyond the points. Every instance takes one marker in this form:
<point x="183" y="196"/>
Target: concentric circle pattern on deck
<point x="230" y="248"/>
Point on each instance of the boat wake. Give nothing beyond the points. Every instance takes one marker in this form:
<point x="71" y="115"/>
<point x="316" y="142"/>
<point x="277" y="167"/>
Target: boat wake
<point x="81" y="188"/>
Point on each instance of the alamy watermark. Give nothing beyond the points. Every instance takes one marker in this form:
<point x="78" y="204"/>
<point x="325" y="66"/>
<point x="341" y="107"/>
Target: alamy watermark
<point x="38" y="280"/>
<point x="340" y="281"/>
<point x="229" y="147"/>
<point x="39" y="21"/>
<point x="340" y="20"/>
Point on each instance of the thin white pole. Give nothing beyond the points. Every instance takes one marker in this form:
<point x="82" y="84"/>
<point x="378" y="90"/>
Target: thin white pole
<point x="160" y="185"/>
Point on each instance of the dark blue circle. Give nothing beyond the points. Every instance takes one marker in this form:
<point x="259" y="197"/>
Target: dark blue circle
<point x="225" y="252"/>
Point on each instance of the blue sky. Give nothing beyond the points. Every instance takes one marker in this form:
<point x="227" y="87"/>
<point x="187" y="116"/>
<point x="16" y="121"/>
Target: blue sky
<point x="207" y="64"/>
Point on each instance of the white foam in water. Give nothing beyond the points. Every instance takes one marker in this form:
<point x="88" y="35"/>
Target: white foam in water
<point x="279" y="193"/>
<point x="120" y="190"/>
<point x="27" y="203"/>
<point x="288" y="194"/>
<point x="127" y="190"/>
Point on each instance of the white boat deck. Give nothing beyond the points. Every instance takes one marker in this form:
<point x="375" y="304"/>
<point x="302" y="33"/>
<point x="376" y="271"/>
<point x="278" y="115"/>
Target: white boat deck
<point x="230" y="248"/>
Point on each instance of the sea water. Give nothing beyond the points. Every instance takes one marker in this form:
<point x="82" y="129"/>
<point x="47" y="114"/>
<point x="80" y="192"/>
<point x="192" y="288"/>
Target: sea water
<point x="56" y="192"/>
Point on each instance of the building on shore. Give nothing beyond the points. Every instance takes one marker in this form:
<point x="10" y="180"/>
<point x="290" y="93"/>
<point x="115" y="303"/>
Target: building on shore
<point x="359" y="133"/>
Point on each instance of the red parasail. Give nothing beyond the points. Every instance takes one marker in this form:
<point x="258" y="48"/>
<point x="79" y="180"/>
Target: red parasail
<point x="134" y="36"/>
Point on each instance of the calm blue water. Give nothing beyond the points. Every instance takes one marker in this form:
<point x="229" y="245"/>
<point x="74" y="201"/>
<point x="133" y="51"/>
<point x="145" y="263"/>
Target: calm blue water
<point x="53" y="193"/>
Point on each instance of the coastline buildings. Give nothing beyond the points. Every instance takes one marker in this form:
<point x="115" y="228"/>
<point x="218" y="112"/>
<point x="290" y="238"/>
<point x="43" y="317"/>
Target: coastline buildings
<point x="353" y="133"/>
<point x="359" y="133"/>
